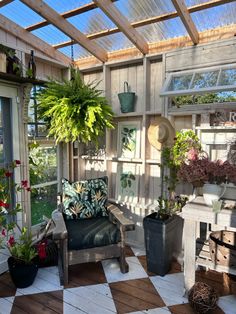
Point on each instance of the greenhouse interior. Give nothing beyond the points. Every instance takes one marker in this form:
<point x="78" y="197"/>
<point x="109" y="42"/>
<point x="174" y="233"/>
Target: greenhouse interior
<point x="118" y="156"/>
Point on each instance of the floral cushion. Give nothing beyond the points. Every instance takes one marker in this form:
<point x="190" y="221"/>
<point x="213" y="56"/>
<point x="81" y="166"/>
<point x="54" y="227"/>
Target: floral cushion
<point x="85" y="199"/>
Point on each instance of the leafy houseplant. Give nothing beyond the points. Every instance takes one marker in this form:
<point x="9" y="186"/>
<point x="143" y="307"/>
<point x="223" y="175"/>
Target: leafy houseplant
<point x="16" y="239"/>
<point x="74" y="110"/>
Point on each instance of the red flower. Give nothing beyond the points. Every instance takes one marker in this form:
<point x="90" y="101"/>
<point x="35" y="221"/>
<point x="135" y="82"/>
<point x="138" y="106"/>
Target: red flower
<point x="8" y="174"/>
<point x="11" y="241"/>
<point x="28" y="189"/>
<point x="42" y="250"/>
<point x="24" y="183"/>
<point x="2" y="204"/>
<point x="3" y="232"/>
<point x="18" y="162"/>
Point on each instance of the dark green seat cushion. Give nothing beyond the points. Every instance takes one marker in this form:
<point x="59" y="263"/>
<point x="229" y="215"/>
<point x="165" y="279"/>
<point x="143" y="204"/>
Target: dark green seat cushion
<point x="85" y="198"/>
<point x="89" y="233"/>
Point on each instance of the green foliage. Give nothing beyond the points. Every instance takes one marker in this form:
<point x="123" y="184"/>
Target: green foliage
<point x="126" y="179"/>
<point x="74" y="110"/>
<point x="184" y="141"/>
<point x="208" y="98"/>
<point x="23" y="249"/>
<point x="128" y="139"/>
<point x="167" y="206"/>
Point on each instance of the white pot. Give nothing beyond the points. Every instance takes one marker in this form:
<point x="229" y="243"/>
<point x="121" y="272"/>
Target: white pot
<point x="212" y="192"/>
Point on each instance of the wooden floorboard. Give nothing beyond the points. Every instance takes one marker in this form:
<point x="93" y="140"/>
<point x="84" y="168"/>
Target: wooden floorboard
<point x="50" y="303"/>
<point x="7" y="288"/>
<point x="135" y="295"/>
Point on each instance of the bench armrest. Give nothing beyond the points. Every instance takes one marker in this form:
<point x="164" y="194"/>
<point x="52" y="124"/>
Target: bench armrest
<point x="59" y="232"/>
<point x="116" y="216"/>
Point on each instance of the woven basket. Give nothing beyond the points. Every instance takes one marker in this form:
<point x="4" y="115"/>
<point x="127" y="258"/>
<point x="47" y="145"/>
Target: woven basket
<point x="222" y="245"/>
<point x="202" y="298"/>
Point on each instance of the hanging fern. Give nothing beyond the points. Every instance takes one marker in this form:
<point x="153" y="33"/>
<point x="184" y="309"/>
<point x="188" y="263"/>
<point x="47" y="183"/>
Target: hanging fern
<point x="74" y="110"/>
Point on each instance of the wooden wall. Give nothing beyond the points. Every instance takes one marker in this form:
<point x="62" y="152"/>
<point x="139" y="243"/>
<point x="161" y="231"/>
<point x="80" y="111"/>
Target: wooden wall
<point x="145" y="77"/>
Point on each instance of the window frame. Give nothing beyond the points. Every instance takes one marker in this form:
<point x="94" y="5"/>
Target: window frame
<point x="191" y="91"/>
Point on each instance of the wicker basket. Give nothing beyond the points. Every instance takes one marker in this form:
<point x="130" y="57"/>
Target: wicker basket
<point x="202" y="298"/>
<point x="222" y="245"/>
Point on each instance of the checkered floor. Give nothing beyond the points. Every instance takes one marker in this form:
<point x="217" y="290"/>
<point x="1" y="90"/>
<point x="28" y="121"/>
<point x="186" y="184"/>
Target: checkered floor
<point x="100" y="288"/>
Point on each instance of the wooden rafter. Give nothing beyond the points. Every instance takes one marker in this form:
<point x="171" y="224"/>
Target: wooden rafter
<point x="184" y="14"/>
<point x="154" y="19"/>
<point x="123" y="24"/>
<point x="67" y="28"/>
<point x="82" y="9"/>
<point x="32" y="40"/>
<point x="4" y="2"/>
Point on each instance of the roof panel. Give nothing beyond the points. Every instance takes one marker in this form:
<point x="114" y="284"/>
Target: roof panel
<point x="66" y="5"/>
<point x="78" y="52"/>
<point x="215" y="17"/>
<point x="114" y="42"/>
<point x="17" y="12"/>
<point x="163" y="30"/>
<point x="135" y="10"/>
<point x="92" y="21"/>
<point x="51" y="34"/>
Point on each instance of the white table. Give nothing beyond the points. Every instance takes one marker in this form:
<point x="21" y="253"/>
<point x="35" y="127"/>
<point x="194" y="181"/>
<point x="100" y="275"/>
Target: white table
<point x="193" y="213"/>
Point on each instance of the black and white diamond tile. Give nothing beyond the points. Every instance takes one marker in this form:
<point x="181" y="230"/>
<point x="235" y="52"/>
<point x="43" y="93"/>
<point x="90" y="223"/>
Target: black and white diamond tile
<point x="100" y="288"/>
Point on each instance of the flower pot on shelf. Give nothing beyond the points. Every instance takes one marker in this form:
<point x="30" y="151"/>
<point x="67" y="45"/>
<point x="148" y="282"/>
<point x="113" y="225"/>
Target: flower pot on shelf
<point x="22" y="274"/>
<point x="212" y="192"/>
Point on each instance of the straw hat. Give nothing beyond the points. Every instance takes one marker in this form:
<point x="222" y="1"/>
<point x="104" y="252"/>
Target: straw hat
<point x="161" y="133"/>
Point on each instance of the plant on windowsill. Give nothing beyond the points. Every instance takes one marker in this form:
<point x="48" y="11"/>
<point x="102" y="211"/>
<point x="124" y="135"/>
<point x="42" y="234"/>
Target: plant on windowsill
<point x="74" y="111"/>
<point x="17" y="240"/>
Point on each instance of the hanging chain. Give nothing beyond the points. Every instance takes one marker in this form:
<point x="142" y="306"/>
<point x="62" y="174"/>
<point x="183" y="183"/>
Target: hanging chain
<point x="72" y="51"/>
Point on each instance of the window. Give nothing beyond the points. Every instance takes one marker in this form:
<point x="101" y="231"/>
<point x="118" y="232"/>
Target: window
<point x="5" y="131"/>
<point x="42" y="164"/>
<point x="214" y="79"/>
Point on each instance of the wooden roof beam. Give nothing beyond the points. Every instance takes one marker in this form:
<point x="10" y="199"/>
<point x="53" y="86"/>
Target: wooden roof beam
<point x="32" y="40"/>
<point x="4" y="2"/>
<point x="82" y="9"/>
<point x="123" y="24"/>
<point x="183" y="13"/>
<point x="154" y="19"/>
<point x="67" y="28"/>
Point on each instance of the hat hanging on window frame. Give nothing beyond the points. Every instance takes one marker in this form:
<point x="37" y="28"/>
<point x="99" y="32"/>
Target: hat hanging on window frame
<point x="161" y="133"/>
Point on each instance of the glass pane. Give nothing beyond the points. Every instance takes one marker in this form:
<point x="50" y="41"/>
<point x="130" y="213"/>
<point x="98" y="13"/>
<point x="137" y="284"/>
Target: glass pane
<point x="31" y="110"/>
<point x="1" y="146"/>
<point x="180" y="82"/>
<point x="206" y="79"/>
<point x="43" y="164"/>
<point x="42" y="130"/>
<point x="43" y="202"/>
<point x="31" y="130"/>
<point x="228" y="77"/>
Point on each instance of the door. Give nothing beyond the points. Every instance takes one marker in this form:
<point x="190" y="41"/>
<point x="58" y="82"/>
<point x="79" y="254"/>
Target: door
<point x="9" y="139"/>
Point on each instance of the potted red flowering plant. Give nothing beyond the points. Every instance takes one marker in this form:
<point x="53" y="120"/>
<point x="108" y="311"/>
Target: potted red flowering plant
<point x="16" y="239"/>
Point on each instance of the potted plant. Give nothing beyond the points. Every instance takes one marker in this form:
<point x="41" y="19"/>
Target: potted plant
<point x="16" y="239"/>
<point x="212" y="175"/>
<point x="74" y="111"/>
<point x="163" y="228"/>
<point x="160" y="234"/>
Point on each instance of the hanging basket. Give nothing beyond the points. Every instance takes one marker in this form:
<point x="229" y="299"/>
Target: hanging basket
<point x="127" y="99"/>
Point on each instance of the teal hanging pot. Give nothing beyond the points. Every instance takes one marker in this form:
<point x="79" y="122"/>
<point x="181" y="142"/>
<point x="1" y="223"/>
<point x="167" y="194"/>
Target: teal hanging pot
<point x="127" y="99"/>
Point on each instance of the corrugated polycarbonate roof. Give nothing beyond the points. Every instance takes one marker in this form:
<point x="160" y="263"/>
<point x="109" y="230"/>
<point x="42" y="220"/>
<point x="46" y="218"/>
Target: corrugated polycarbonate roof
<point x="94" y="21"/>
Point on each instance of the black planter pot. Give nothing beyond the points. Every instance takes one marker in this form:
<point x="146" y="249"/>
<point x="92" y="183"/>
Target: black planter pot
<point x="22" y="275"/>
<point x="159" y="241"/>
